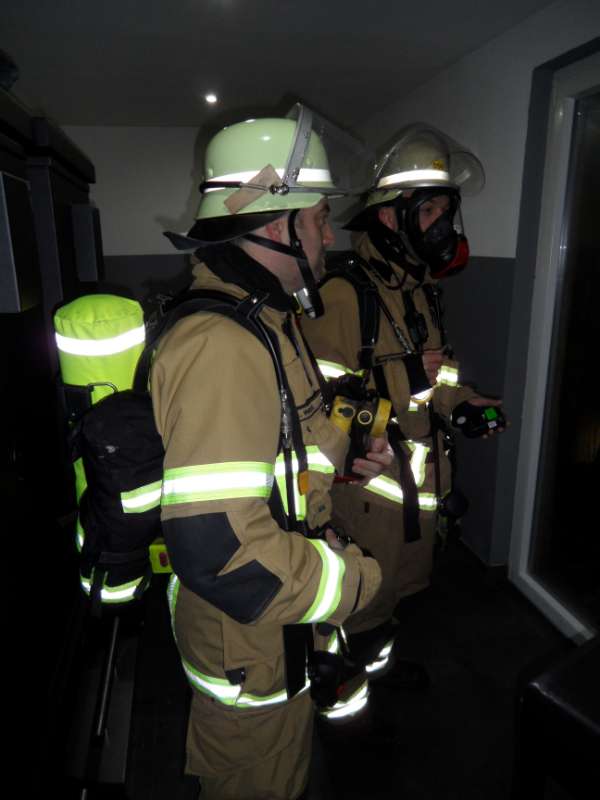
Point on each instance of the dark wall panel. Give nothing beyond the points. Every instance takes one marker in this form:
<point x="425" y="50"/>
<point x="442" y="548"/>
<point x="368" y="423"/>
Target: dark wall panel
<point x="144" y="276"/>
<point x="478" y="306"/>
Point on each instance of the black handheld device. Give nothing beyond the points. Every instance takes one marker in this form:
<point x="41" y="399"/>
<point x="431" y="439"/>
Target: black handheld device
<point x="476" y="421"/>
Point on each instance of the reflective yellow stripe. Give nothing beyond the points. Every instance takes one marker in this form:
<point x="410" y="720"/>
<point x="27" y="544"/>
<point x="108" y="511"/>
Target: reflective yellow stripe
<point x="231" y="694"/>
<point x="329" y="592"/>
<point x="219" y="688"/>
<point x="448" y="376"/>
<point x="205" y="482"/>
<point x="318" y="461"/>
<point x="418" y="461"/>
<point x="391" y="490"/>
<point x="79" y="534"/>
<point x="331" y="369"/>
<point x="113" y="594"/>
<point x="142" y="499"/>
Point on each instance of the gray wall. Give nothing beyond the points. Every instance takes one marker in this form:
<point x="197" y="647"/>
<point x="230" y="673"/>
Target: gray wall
<point x="477" y="302"/>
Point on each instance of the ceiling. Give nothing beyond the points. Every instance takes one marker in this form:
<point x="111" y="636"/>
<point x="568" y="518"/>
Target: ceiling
<point x="128" y="62"/>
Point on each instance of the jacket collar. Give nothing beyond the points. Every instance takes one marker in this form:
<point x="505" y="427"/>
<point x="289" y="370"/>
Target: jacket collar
<point x="233" y="265"/>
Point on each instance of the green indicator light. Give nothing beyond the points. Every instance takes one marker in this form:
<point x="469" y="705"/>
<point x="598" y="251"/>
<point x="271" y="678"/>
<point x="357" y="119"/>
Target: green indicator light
<point x="491" y="413"/>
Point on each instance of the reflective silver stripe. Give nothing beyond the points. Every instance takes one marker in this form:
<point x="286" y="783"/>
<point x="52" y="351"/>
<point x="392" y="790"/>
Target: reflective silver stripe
<point x="382" y="658"/>
<point x="232" y="479"/>
<point x="413" y="175"/>
<point x="333" y="643"/>
<point x="448" y="376"/>
<point x="113" y="594"/>
<point x="331" y="369"/>
<point x="413" y="406"/>
<point x="422" y="397"/>
<point x="142" y="499"/>
<point x="329" y="592"/>
<point x="306" y="175"/>
<point x="101" y="347"/>
<point x="350" y="707"/>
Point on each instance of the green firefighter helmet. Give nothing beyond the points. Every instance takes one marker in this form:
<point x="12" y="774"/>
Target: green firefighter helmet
<point x="255" y="171"/>
<point x="421" y="157"/>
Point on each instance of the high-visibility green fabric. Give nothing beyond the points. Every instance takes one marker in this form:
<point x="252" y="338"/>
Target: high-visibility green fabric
<point x="99" y="338"/>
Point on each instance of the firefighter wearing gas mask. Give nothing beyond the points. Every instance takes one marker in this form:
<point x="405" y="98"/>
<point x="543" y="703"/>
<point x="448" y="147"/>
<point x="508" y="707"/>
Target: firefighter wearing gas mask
<point x="383" y="320"/>
<point x="250" y="457"/>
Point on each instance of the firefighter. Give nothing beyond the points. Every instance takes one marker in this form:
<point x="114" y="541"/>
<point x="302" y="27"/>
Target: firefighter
<point x="250" y="457"/>
<point x="383" y="317"/>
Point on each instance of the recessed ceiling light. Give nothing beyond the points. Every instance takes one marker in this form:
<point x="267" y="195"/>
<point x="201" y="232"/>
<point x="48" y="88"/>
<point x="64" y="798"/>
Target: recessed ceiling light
<point x="211" y="98"/>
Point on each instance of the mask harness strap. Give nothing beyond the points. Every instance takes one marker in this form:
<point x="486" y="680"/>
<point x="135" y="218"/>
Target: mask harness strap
<point x="395" y="247"/>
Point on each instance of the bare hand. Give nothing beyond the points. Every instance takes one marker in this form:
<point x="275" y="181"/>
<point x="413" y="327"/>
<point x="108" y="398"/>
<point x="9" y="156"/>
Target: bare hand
<point x="379" y="456"/>
<point x="432" y="361"/>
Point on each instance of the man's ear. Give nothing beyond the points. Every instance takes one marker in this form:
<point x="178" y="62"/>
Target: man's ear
<point x="276" y="230"/>
<point x="387" y="215"/>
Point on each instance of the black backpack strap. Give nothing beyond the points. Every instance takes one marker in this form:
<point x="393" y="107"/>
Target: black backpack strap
<point x="367" y="298"/>
<point x="192" y="303"/>
<point x="433" y="295"/>
<point x="370" y="304"/>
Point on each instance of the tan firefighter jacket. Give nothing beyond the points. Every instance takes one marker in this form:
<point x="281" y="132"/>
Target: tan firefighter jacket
<point x="335" y="338"/>
<point x="239" y="576"/>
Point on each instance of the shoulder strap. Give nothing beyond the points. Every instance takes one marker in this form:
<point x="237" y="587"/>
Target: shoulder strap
<point x="242" y="311"/>
<point x="245" y="312"/>
<point x="433" y="295"/>
<point x="367" y="296"/>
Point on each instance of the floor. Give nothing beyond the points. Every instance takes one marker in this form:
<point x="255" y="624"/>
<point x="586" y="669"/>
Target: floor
<point x="477" y="636"/>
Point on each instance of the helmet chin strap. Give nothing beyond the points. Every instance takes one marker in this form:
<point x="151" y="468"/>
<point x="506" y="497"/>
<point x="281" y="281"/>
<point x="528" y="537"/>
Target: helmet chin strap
<point x="308" y="297"/>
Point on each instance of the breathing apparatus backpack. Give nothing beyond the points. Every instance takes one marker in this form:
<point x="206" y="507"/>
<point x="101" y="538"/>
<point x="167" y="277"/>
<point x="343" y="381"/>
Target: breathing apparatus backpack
<point x="105" y="353"/>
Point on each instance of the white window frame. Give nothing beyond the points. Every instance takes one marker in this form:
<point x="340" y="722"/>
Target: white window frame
<point x="570" y="83"/>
